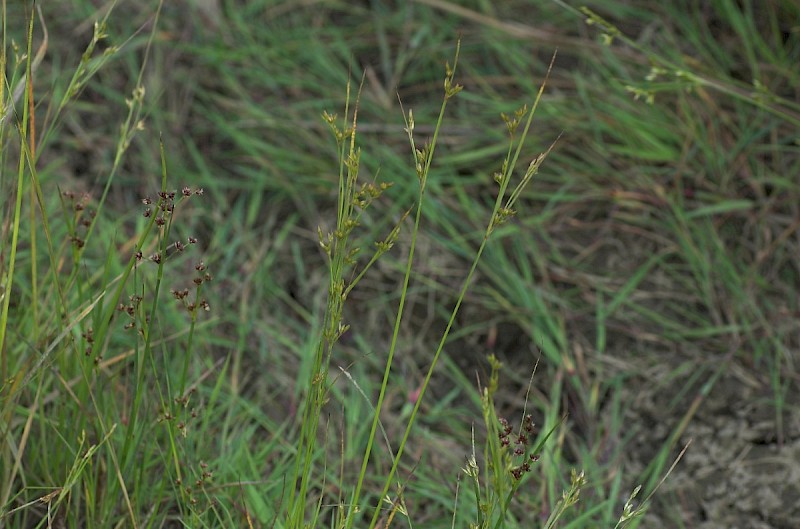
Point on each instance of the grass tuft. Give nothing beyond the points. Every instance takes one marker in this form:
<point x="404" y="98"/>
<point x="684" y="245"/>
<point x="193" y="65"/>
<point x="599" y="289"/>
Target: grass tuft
<point x="218" y="310"/>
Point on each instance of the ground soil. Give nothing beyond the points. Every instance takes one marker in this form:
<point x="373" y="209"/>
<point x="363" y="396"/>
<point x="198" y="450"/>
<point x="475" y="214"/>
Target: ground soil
<point x="741" y="469"/>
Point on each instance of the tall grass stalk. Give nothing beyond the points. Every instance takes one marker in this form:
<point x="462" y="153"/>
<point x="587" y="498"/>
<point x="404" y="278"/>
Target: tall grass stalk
<point x="502" y="212"/>
<point x="7" y="407"/>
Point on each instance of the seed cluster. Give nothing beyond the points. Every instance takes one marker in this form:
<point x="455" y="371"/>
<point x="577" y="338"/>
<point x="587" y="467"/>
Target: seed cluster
<point x="181" y="402"/>
<point x="521" y="442"/>
<point x="206" y="475"/>
<point x="164" y="209"/>
<point x="82" y="218"/>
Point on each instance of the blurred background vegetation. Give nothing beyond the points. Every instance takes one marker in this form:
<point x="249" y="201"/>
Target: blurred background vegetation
<point x="652" y="270"/>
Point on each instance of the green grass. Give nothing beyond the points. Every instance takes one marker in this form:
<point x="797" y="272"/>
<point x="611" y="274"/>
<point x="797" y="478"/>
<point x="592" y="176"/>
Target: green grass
<point x="651" y="258"/>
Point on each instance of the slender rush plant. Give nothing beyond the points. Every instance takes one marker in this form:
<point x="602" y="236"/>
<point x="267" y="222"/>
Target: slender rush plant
<point x="337" y="245"/>
<point x="82" y="447"/>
